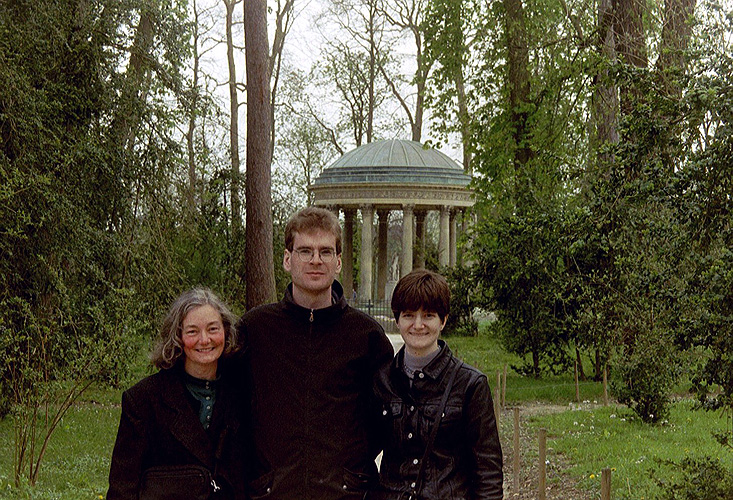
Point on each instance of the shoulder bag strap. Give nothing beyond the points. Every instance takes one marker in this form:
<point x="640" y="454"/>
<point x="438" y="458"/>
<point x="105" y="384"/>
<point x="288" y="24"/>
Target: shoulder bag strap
<point x="431" y="440"/>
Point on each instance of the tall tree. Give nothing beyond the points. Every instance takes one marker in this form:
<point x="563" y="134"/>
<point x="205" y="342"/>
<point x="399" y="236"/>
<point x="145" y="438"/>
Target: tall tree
<point x="451" y="28"/>
<point x="409" y="16"/>
<point x="630" y="44"/>
<point x="518" y="83"/>
<point x="676" y="33"/>
<point x="233" y="86"/>
<point x="259" y="245"/>
<point x="283" y="22"/>
<point x="353" y="63"/>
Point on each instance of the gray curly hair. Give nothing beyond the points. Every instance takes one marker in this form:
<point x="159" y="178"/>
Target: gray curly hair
<point x="169" y="346"/>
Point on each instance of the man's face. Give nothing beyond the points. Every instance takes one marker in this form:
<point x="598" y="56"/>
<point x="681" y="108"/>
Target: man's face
<point x="313" y="277"/>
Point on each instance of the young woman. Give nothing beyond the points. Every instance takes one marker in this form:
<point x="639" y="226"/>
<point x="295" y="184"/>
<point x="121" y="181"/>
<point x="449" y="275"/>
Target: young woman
<point x="179" y="433"/>
<point x="425" y="385"/>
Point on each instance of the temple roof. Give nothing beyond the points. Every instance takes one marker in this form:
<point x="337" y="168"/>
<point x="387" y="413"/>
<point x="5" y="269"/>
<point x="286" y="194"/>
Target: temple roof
<point x="393" y="162"/>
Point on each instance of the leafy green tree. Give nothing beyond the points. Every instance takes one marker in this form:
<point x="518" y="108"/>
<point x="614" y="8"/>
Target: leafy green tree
<point x="81" y="275"/>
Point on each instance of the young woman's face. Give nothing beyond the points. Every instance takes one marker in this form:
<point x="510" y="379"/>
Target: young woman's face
<point x="420" y="330"/>
<point x="202" y="333"/>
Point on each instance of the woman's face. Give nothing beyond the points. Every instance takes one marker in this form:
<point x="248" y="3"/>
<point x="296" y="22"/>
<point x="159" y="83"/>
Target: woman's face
<point x="203" y="336"/>
<point x="420" y="330"/>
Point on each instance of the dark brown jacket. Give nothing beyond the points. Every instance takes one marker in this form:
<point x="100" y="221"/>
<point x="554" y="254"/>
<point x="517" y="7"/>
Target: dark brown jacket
<point x="466" y="460"/>
<point x="160" y="426"/>
<point x="312" y="373"/>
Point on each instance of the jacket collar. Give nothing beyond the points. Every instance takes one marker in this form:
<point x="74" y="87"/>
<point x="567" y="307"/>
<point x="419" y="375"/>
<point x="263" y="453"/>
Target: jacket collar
<point x="435" y="368"/>
<point x="326" y="314"/>
<point x="185" y="425"/>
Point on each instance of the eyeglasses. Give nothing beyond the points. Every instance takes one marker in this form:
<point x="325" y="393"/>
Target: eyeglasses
<point x="307" y="254"/>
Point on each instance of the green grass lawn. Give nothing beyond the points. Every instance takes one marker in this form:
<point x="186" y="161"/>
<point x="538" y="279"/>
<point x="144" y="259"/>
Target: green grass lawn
<point x="610" y="437"/>
<point x="77" y="461"/>
<point x="485" y="353"/>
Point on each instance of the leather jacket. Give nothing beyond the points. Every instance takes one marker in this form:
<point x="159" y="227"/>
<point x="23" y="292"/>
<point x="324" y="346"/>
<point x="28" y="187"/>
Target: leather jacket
<point x="466" y="460"/>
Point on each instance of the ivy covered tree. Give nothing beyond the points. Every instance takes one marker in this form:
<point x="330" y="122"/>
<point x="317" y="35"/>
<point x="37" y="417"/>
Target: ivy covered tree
<point x="88" y="158"/>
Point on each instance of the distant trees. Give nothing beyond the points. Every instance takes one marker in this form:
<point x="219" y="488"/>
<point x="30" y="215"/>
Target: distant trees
<point x="586" y="238"/>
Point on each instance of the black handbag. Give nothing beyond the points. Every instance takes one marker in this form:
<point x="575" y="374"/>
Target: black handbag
<point x="178" y="482"/>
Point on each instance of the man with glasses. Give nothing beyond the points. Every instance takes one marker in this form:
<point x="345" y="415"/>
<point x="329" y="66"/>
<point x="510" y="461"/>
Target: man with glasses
<point x="311" y="359"/>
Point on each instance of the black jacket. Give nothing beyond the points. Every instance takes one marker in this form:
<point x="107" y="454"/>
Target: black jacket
<point x="312" y="373"/>
<point x="160" y="426"/>
<point x="466" y="461"/>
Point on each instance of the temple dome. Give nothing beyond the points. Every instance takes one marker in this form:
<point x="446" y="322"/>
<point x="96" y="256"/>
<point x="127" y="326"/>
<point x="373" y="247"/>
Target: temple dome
<point x="393" y="162"/>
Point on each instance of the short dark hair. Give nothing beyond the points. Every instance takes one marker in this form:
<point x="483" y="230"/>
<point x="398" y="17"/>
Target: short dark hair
<point x="169" y="347"/>
<point x="313" y="219"/>
<point x="422" y="289"/>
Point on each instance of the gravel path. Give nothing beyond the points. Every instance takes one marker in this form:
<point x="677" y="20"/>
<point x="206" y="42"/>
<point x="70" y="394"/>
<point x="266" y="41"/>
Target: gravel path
<point x="560" y="484"/>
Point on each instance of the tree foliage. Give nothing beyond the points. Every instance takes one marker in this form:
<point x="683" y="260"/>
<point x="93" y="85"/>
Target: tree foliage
<point x="613" y="239"/>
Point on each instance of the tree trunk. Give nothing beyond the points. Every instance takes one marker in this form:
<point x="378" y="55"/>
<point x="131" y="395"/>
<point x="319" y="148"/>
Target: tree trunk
<point x="676" y="33"/>
<point x="630" y="43"/>
<point x="283" y="22"/>
<point x="518" y="82"/>
<point x="605" y="96"/>
<point x="581" y="370"/>
<point x="233" y="126"/>
<point x="372" y="71"/>
<point x="259" y="245"/>
<point x="136" y="84"/>
<point x="465" y="120"/>
<point x="192" y="105"/>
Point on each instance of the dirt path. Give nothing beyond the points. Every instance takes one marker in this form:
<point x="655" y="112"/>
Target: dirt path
<point x="560" y="484"/>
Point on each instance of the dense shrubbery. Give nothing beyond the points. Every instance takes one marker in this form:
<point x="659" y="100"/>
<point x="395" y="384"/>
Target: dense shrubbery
<point x="700" y="479"/>
<point x="462" y="303"/>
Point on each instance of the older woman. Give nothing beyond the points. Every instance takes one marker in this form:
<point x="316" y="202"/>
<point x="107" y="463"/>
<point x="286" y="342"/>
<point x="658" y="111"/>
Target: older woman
<point x="439" y="429"/>
<point x="179" y="433"/>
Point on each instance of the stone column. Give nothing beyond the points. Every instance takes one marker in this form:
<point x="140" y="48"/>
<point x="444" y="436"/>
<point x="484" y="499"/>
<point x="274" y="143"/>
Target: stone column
<point x="382" y="264"/>
<point x="444" y="239"/>
<point x="407" y="223"/>
<point x="453" y="237"/>
<point x="347" y="253"/>
<point x="365" y="280"/>
<point x="420" y="239"/>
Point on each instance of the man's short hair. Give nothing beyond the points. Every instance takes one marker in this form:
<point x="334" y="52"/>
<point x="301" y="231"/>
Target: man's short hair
<point x="313" y="219"/>
<point x="422" y="289"/>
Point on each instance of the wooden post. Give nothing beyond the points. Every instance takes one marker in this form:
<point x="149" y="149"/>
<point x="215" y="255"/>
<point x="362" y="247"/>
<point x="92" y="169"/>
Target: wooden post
<point x="516" y="451"/>
<point x="542" y="493"/>
<point x="605" y="384"/>
<point x="606" y="484"/>
<point x="503" y="388"/>
<point x="497" y="398"/>
<point x="577" y="386"/>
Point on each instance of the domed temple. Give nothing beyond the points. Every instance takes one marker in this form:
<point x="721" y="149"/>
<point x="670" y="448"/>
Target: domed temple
<point x="393" y="175"/>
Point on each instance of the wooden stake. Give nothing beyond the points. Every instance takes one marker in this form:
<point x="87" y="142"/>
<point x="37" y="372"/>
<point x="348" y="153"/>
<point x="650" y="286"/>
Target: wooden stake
<point x="503" y="389"/>
<point x="497" y="398"/>
<point x="606" y="484"/>
<point x="516" y="450"/>
<point x="542" y="493"/>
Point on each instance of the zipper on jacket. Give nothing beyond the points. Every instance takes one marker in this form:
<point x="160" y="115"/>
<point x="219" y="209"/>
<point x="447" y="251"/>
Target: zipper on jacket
<point x="311" y="318"/>
<point x="215" y="486"/>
